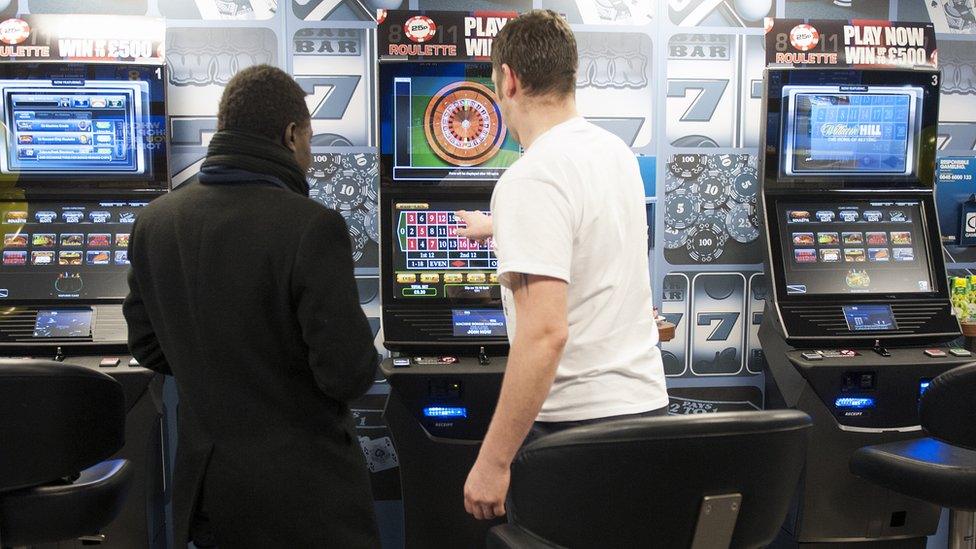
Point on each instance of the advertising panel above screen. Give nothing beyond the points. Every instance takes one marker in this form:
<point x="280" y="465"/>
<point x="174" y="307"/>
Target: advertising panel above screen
<point x="94" y="122"/>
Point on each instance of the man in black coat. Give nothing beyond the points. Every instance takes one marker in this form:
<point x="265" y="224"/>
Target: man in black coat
<point x="242" y="288"/>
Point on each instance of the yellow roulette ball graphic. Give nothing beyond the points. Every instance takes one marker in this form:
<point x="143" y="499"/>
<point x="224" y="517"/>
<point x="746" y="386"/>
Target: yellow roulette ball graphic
<point x="463" y="124"/>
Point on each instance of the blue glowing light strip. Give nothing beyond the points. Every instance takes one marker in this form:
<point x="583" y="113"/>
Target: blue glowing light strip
<point x="445" y="411"/>
<point x="856" y="403"/>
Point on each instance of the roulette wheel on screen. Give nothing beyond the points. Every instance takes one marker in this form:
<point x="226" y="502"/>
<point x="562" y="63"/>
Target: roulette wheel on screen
<point x="463" y="124"/>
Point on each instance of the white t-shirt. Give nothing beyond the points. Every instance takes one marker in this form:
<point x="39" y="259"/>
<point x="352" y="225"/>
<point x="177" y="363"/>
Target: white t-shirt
<point x="573" y="208"/>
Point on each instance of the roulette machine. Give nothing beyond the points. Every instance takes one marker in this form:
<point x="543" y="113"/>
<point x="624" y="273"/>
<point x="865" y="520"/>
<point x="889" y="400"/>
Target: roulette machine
<point x="85" y="152"/>
<point x="858" y="318"/>
<point x="443" y="145"/>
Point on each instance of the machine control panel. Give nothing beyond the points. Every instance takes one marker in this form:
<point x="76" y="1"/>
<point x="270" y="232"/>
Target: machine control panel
<point x="867" y="390"/>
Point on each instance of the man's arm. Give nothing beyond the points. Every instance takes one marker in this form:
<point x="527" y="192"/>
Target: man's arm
<point x="340" y="341"/>
<point x="541" y="332"/>
<point x="143" y="343"/>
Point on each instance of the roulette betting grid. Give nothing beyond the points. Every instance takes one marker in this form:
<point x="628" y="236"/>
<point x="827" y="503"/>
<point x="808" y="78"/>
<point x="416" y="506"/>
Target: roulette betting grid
<point x="430" y="241"/>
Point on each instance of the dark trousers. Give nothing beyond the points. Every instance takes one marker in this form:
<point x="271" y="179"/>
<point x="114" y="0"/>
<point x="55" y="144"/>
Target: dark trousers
<point x="543" y="428"/>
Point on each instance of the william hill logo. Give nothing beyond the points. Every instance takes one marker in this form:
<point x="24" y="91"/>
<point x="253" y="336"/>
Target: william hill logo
<point x="851" y="130"/>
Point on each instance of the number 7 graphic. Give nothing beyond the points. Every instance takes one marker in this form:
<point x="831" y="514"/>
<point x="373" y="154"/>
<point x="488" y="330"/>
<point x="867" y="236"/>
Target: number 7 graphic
<point x="726" y="321"/>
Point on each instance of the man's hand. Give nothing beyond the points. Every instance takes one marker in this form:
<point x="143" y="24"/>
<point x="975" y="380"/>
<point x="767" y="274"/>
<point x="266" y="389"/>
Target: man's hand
<point x="485" y="490"/>
<point x="540" y="303"/>
<point x="478" y="228"/>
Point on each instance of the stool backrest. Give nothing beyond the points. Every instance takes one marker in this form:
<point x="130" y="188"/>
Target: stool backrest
<point x="56" y="419"/>
<point x="641" y="482"/>
<point x="948" y="407"/>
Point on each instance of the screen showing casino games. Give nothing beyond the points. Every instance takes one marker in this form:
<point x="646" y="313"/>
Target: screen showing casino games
<point x="96" y="121"/>
<point x="440" y="122"/>
<point x="430" y="260"/>
<point x="854" y="247"/>
<point x="853" y="129"/>
<point x="65" y="250"/>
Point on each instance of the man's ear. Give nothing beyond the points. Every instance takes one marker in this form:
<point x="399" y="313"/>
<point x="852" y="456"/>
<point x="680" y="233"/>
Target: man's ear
<point x="288" y="138"/>
<point x="510" y="82"/>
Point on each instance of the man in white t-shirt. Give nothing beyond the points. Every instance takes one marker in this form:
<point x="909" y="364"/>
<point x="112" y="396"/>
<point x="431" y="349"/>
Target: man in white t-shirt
<point x="570" y="232"/>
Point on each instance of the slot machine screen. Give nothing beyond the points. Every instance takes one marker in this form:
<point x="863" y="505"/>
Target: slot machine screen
<point x="93" y="122"/>
<point x="54" y="250"/>
<point x="432" y="263"/>
<point x="850" y="129"/>
<point x="854" y="247"/>
<point x="440" y="122"/>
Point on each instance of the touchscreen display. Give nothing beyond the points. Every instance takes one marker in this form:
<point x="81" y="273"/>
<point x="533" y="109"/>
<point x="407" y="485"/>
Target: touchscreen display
<point x="479" y="322"/>
<point x="441" y="122"/>
<point x="63" y="323"/>
<point x="83" y="121"/>
<point x="431" y="261"/>
<point x="864" y="318"/>
<point x="65" y="250"/>
<point x="854" y="247"/>
<point x="850" y="130"/>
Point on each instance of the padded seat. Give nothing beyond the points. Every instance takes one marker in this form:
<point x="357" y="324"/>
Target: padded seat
<point x="940" y="469"/>
<point x="925" y="469"/>
<point x="654" y="481"/>
<point x="60" y="422"/>
<point x="55" y="512"/>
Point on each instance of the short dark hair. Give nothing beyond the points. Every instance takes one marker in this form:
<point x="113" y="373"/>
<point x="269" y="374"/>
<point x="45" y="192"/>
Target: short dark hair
<point x="263" y="100"/>
<point x="540" y="48"/>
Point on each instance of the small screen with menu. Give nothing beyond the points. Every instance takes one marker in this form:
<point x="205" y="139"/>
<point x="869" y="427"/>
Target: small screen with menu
<point x="852" y="247"/>
<point x="850" y="129"/>
<point x="478" y="322"/>
<point x="60" y="323"/>
<point x="65" y="250"/>
<point x="431" y="261"/>
<point x="865" y="318"/>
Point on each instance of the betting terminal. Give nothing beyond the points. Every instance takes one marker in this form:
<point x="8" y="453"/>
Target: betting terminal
<point x="858" y="320"/>
<point x="85" y="151"/>
<point x="443" y="145"/>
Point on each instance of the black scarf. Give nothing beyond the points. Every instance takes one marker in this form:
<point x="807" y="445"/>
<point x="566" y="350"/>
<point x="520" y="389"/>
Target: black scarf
<point x="236" y="156"/>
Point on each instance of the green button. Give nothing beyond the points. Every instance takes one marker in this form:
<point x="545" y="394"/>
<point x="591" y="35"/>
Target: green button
<point x="419" y="292"/>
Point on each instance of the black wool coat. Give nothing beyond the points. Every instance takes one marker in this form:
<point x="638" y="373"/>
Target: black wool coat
<point x="245" y="294"/>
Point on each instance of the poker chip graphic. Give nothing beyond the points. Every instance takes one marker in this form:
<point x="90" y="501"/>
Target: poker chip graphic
<point x="357" y="232"/>
<point x="688" y="165"/>
<point x="681" y="209"/>
<point x="420" y="28"/>
<point x="462" y="124"/>
<point x="713" y="190"/>
<point x="739" y="223"/>
<point x="804" y="37"/>
<point x="14" y="31"/>
<point x="346" y="190"/>
<point x="745" y="185"/>
<point x="706" y="240"/>
<point x="674" y="239"/>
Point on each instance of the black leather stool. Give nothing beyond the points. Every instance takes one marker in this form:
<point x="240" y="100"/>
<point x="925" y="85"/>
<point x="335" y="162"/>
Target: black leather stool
<point x="59" y="422"/>
<point x="701" y="481"/>
<point x="940" y="469"/>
